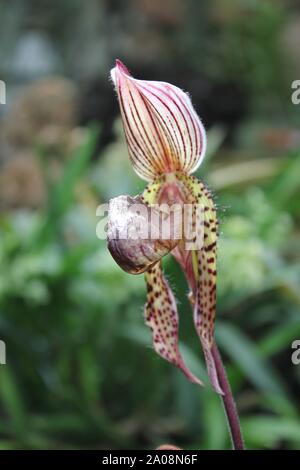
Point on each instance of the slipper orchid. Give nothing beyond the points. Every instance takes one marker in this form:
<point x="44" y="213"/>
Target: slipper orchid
<point x="166" y="143"/>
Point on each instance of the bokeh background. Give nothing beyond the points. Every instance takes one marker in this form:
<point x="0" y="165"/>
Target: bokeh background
<point x="80" y="370"/>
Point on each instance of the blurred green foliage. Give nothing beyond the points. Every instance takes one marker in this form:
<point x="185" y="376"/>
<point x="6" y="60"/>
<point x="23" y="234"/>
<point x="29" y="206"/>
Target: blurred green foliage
<point x="80" y="372"/>
<point x="80" y="369"/>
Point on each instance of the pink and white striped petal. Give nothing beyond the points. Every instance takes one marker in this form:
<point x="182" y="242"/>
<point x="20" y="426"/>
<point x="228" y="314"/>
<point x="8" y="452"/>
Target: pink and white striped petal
<point x="163" y="132"/>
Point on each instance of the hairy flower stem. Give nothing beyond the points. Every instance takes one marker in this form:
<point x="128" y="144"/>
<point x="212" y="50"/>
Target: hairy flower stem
<point x="228" y="402"/>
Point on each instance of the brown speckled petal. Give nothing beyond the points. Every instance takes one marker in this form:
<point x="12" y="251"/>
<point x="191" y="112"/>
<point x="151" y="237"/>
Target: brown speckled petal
<point x="161" y="316"/>
<point x="203" y="262"/>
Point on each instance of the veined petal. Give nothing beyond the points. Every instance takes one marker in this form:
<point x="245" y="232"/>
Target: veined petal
<point x="161" y="316"/>
<point x="163" y="132"/>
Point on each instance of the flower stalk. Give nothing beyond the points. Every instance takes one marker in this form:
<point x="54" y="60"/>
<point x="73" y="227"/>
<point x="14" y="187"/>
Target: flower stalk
<point x="228" y="402"/>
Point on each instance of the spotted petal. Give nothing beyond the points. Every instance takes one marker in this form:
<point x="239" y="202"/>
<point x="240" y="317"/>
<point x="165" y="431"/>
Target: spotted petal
<point x="204" y="264"/>
<point x="162" y="317"/>
<point x="199" y="261"/>
<point x="163" y="132"/>
<point x="199" y="266"/>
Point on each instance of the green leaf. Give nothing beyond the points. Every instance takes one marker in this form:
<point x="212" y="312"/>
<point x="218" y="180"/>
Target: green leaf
<point x="286" y="185"/>
<point x="244" y="354"/>
<point x="11" y="399"/>
<point x="269" y="431"/>
<point x="62" y="194"/>
<point x="214" y="422"/>
<point x="279" y="338"/>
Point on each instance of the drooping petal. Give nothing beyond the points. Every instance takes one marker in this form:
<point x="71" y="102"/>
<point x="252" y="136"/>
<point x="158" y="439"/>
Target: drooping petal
<point x="161" y="316"/>
<point x="203" y="262"/>
<point x="163" y="132"/>
<point x="206" y="276"/>
<point x="196" y="254"/>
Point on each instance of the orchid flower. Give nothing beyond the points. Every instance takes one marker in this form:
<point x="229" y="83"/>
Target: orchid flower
<point x="166" y="142"/>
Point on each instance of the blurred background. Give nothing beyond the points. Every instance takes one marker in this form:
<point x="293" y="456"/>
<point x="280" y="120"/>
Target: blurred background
<point x="80" y="370"/>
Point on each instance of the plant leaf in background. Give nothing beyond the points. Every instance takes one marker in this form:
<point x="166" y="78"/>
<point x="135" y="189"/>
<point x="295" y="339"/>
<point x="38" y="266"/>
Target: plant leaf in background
<point x="68" y="315"/>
